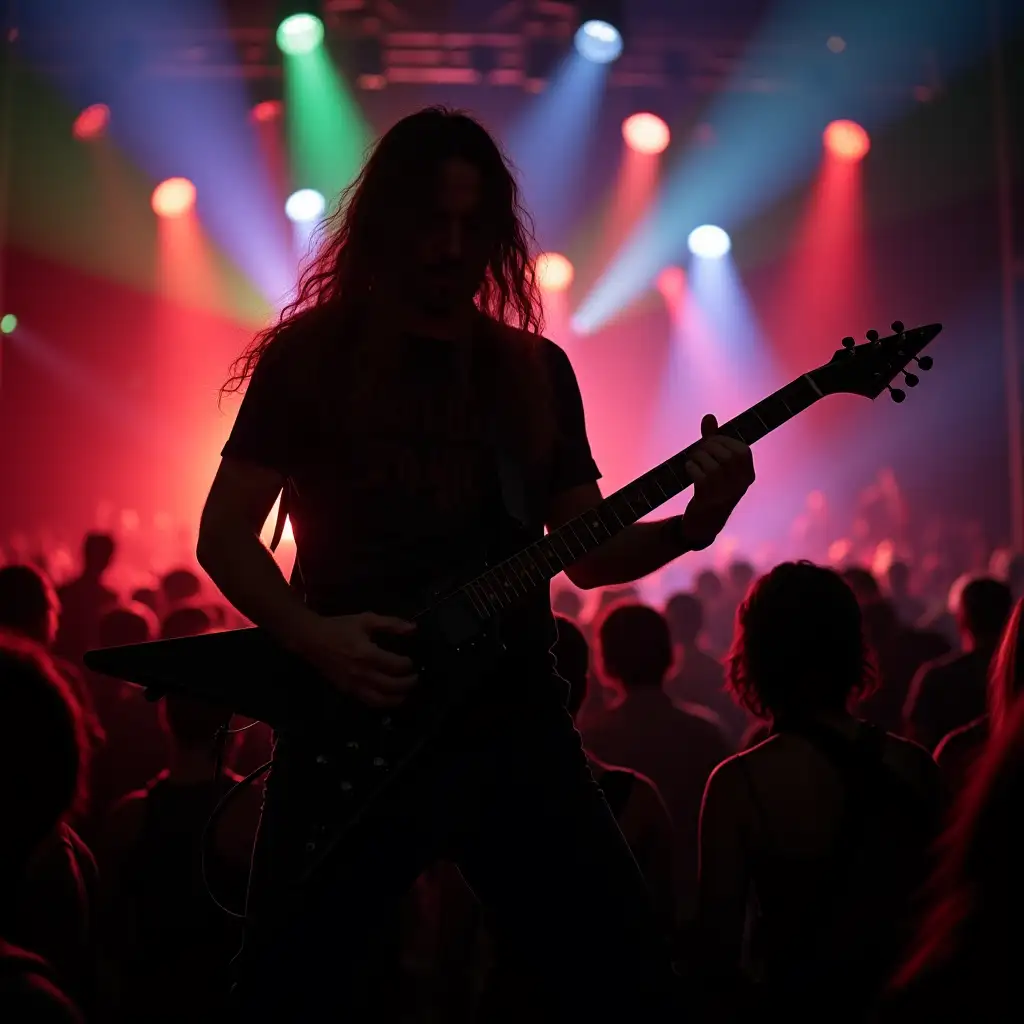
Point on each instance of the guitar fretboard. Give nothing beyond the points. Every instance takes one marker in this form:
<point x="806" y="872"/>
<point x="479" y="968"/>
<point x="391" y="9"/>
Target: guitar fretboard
<point x="514" y="579"/>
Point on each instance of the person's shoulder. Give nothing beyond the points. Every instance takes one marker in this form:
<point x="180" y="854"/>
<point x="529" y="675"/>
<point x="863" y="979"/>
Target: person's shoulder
<point x="943" y="665"/>
<point x="294" y="342"/>
<point x="123" y="822"/>
<point x="27" y="990"/>
<point x="914" y="764"/>
<point x="700" y="720"/>
<point x="527" y="341"/>
<point x="962" y="740"/>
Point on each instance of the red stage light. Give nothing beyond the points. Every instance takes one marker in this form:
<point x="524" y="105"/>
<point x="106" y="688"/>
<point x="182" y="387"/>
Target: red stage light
<point x="645" y="133"/>
<point x="174" y="197"/>
<point x="266" y="111"/>
<point x="671" y="284"/>
<point x="847" y="140"/>
<point x="554" y="272"/>
<point x="92" y="122"/>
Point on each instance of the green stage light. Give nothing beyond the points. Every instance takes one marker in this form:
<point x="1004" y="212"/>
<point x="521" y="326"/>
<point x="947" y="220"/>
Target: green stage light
<point x="300" y="33"/>
<point x="8" y="323"/>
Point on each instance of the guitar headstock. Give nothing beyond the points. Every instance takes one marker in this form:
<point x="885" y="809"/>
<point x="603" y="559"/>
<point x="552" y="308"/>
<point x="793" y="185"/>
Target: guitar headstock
<point x="870" y="368"/>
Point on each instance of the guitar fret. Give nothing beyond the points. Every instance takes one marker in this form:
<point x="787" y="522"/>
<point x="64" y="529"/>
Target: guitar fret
<point x="547" y="548"/>
<point x="522" y="569"/>
<point x="582" y="520"/>
<point x="479" y="606"/>
<point x="492" y="595"/>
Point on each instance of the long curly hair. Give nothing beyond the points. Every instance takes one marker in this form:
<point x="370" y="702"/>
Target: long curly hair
<point x="356" y="245"/>
<point x="799" y="644"/>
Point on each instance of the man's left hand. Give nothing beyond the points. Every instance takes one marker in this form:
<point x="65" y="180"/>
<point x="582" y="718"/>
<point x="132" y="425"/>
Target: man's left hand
<point x="722" y="469"/>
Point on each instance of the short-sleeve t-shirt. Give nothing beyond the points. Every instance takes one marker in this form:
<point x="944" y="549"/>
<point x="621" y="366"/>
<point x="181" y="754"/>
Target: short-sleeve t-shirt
<point x="405" y="496"/>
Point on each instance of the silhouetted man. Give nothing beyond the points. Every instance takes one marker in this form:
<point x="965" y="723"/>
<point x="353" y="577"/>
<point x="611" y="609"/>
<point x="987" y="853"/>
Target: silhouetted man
<point x="676" y="747"/>
<point x="383" y="399"/>
<point x="950" y="691"/>
<point x="84" y="600"/>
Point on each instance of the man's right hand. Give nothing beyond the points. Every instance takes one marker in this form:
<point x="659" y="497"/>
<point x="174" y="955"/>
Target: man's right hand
<point x="342" y="648"/>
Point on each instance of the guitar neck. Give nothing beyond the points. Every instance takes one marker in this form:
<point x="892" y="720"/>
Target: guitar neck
<point x="514" y="579"/>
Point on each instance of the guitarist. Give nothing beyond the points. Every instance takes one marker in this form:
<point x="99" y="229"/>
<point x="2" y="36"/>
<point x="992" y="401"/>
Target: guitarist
<point x="410" y="408"/>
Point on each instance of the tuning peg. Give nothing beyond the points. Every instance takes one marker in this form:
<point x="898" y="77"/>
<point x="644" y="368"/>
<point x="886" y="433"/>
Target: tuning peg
<point x="897" y="394"/>
<point x="897" y="326"/>
<point x="872" y="336"/>
<point x="925" y="362"/>
<point x="848" y="343"/>
<point x="912" y="379"/>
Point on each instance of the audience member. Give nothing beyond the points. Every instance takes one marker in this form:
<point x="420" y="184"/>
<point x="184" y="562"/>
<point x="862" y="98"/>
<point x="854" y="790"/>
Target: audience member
<point x="909" y="608"/>
<point x="741" y="576"/>
<point x="147" y="596"/>
<point x="950" y="691"/>
<point x="136" y="747"/>
<point x="29" y="608"/>
<point x="964" y="965"/>
<point x="863" y="584"/>
<point x="675" y="746"/>
<point x="699" y="678"/>
<point x="633" y="798"/>
<point x="170" y="945"/>
<point x="1008" y="565"/>
<point x="718" y="612"/>
<point x="84" y="600"/>
<point x="958" y="752"/>
<point x="946" y="619"/>
<point x="179" y="587"/>
<point x="899" y="652"/>
<point x="44" y="910"/>
<point x="825" y="825"/>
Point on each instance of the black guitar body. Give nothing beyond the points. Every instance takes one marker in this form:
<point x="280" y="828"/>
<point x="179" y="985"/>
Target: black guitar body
<point x="246" y="672"/>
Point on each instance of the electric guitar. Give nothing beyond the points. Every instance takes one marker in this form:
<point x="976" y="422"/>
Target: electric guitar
<point x="457" y="637"/>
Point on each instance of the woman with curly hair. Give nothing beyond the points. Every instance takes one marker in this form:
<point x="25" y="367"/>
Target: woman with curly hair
<point x="812" y="842"/>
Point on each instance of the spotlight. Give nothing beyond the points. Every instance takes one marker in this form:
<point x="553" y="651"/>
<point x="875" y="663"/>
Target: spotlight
<point x="847" y="140"/>
<point x="671" y="285"/>
<point x="554" y="272"/>
<point x="709" y="242"/>
<point x="599" y="37"/>
<point x="645" y="133"/>
<point x="92" y="122"/>
<point x="266" y="111"/>
<point x="305" y="206"/>
<point x="173" y="197"/>
<point x="8" y="323"/>
<point x="300" y="31"/>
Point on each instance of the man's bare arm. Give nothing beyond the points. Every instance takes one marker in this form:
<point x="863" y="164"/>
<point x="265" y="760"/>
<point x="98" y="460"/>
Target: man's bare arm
<point x="231" y="551"/>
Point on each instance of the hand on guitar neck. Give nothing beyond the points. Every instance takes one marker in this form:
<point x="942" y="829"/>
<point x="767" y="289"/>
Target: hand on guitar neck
<point x="722" y="469"/>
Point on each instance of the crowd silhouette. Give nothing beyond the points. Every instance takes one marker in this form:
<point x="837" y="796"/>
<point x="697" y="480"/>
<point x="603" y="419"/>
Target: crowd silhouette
<point x="818" y="770"/>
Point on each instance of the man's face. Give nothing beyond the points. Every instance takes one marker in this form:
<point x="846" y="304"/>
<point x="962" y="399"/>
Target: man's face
<point x="452" y="244"/>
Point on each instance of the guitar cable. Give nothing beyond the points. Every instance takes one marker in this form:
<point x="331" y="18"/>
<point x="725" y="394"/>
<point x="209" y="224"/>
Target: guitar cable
<point x="206" y="844"/>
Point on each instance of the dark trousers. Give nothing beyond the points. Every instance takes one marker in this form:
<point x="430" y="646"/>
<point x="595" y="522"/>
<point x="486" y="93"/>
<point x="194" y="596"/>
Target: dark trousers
<point x="507" y="795"/>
